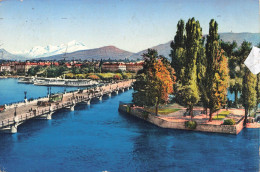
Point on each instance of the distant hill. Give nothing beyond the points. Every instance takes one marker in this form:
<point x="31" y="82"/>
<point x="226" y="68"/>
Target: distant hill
<point x="254" y="38"/>
<point x="5" y="55"/>
<point x="115" y="53"/>
<point x="104" y="53"/>
<point x="164" y="49"/>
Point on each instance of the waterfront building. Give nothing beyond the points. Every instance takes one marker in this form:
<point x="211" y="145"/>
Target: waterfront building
<point x="134" y="67"/>
<point x="5" y="68"/>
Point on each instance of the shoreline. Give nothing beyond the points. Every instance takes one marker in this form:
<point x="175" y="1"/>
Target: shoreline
<point x="164" y="123"/>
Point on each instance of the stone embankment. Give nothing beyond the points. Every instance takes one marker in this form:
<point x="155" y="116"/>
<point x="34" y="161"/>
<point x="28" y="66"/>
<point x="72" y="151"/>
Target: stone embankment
<point x="164" y="123"/>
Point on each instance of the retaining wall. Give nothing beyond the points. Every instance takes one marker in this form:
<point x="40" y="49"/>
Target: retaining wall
<point x="140" y="113"/>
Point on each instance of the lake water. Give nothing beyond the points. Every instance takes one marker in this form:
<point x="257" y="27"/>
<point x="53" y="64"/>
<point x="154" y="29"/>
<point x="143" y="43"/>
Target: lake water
<point x="99" y="138"/>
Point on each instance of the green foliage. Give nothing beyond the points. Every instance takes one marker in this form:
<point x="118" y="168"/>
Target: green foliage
<point x="177" y="51"/>
<point x="228" y="47"/>
<point x="70" y="76"/>
<point x="34" y="70"/>
<point x="154" y="83"/>
<point x="163" y="111"/>
<point x="221" y="115"/>
<point x="217" y="73"/>
<point x="249" y="94"/>
<point x="258" y="89"/>
<point x="235" y="86"/>
<point x="191" y="124"/>
<point x="187" y="52"/>
<point x="229" y="122"/>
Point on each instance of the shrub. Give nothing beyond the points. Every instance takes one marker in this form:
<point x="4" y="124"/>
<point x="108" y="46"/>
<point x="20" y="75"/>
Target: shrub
<point x="117" y="77"/>
<point x="69" y="76"/>
<point x="94" y="77"/>
<point x="191" y="124"/>
<point x="229" y="122"/>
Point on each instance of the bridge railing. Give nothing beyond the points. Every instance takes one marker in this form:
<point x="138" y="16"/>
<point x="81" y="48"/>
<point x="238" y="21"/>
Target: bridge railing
<point x="43" y="110"/>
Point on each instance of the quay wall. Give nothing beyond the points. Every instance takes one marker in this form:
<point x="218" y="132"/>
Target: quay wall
<point x="142" y="114"/>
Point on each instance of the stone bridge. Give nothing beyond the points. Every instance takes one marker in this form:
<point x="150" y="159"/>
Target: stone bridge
<point x="16" y="114"/>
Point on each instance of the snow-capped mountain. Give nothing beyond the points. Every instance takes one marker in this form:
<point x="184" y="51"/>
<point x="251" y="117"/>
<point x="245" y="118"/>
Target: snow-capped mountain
<point x="50" y="50"/>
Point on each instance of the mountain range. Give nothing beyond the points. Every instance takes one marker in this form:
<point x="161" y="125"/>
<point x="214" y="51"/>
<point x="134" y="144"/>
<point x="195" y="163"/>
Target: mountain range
<point x="77" y="50"/>
<point x="50" y="50"/>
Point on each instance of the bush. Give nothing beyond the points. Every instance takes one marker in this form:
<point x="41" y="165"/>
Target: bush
<point x="117" y="77"/>
<point x="191" y="124"/>
<point x="229" y="122"/>
<point x="94" y="77"/>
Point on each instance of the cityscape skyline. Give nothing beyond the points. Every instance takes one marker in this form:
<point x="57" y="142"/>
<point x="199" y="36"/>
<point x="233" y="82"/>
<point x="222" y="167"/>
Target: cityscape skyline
<point x="128" y="25"/>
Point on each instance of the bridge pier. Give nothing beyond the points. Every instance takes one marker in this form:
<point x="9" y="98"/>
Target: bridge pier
<point x="86" y="101"/>
<point x="72" y="108"/>
<point x="116" y="92"/>
<point x="123" y="90"/>
<point x="47" y="116"/>
<point x="11" y="129"/>
<point x="100" y="98"/>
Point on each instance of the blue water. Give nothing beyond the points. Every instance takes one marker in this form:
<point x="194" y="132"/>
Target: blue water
<point x="99" y="138"/>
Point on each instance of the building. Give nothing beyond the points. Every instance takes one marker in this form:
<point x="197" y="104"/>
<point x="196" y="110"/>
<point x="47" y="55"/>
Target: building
<point x="22" y="67"/>
<point x="113" y="66"/>
<point x="5" y="68"/>
<point x="134" y="67"/>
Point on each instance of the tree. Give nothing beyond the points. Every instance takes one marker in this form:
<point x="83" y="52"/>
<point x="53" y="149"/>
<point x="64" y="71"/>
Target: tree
<point x="185" y="51"/>
<point x="177" y="51"/>
<point x="216" y="77"/>
<point x="160" y="83"/>
<point x="228" y="47"/>
<point x="249" y="92"/>
<point x="257" y="90"/>
<point x="236" y="65"/>
<point x="258" y="85"/>
<point x="154" y="83"/>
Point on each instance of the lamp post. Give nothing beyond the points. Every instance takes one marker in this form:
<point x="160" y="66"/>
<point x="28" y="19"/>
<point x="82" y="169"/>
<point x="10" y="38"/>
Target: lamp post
<point x="25" y="94"/>
<point x="15" y="107"/>
<point x="25" y="98"/>
<point x="48" y="91"/>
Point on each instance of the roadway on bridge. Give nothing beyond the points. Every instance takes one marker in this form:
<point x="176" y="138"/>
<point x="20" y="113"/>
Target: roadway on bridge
<point x="25" y="108"/>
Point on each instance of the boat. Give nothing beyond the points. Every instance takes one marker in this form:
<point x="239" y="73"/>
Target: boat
<point x="26" y="80"/>
<point x="65" y="82"/>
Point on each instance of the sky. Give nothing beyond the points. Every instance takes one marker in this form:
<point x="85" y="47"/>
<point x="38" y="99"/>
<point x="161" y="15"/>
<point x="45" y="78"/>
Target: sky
<point x="131" y="25"/>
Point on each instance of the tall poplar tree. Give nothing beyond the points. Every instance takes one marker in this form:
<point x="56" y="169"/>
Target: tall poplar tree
<point x="257" y="90"/>
<point x="178" y="49"/>
<point x="185" y="50"/>
<point x="249" y="92"/>
<point x="217" y="73"/>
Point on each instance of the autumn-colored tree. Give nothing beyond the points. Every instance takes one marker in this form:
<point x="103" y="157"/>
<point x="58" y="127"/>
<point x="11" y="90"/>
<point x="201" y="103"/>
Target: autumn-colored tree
<point x="160" y="83"/>
<point x="94" y="77"/>
<point x="217" y="73"/>
<point x="155" y="82"/>
<point x="249" y="92"/>
<point x="116" y="77"/>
